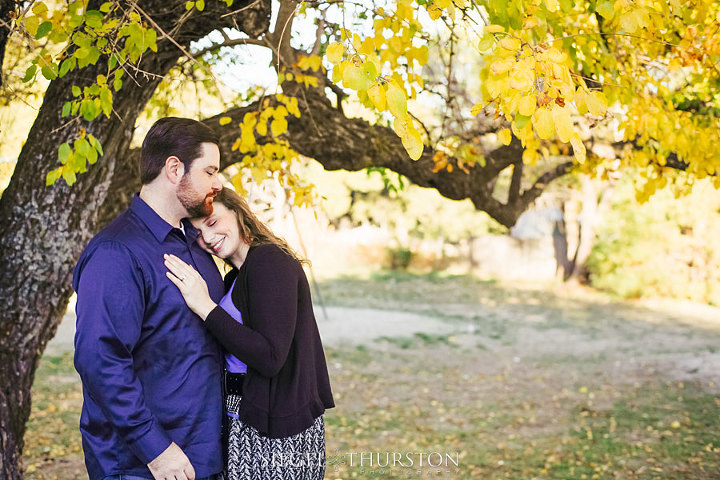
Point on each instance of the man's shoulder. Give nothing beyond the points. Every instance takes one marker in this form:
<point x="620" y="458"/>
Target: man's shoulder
<point x="125" y="229"/>
<point x="114" y="243"/>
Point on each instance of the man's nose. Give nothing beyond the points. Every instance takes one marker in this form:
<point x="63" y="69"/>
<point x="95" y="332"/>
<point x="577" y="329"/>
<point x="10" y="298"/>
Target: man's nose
<point x="217" y="185"/>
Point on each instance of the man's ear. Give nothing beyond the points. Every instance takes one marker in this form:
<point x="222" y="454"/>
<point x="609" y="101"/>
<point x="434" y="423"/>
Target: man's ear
<point x="174" y="169"/>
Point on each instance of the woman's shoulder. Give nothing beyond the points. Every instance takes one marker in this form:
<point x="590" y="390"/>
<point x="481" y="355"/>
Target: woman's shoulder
<point x="269" y="255"/>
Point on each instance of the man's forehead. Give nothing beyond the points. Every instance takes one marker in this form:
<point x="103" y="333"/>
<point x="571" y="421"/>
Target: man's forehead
<point x="209" y="157"/>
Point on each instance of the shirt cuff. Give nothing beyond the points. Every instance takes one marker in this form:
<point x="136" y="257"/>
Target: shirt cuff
<point x="151" y="444"/>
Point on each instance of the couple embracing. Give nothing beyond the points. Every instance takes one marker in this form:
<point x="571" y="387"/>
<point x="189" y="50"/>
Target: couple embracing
<point x="187" y="376"/>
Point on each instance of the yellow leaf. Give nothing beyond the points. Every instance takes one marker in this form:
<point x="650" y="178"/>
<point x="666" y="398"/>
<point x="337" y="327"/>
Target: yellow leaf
<point x="543" y="123"/>
<point x="581" y="96"/>
<point x="551" y="5"/>
<point x="40" y="9"/>
<point x="505" y="136"/>
<point x="261" y="128"/>
<point x="413" y="143"/>
<point x="527" y="105"/>
<point x="400" y="125"/>
<point x="377" y="95"/>
<point x="494" y="29"/>
<point x="278" y="127"/>
<point x="476" y="109"/>
<point x="31" y="25"/>
<point x="597" y="103"/>
<point x="563" y="123"/>
<point x="396" y="100"/>
<point x="501" y="66"/>
<point x="578" y="148"/>
<point x="510" y="43"/>
<point x="225" y="120"/>
<point x="434" y="11"/>
<point x="522" y="80"/>
<point x="335" y="52"/>
<point x="423" y="54"/>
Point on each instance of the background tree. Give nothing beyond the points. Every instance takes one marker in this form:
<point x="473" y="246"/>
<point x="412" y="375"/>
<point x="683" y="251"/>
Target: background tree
<point x="638" y="77"/>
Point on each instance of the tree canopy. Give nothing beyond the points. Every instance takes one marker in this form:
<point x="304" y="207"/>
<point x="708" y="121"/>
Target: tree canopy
<point x="562" y="78"/>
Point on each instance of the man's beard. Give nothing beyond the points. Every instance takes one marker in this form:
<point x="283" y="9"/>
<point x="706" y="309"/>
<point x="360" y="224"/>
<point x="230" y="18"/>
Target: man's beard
<point x="188" y="197"/>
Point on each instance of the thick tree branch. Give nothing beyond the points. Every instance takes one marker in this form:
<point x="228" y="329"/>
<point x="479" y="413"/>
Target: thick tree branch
<point x="345" y="143"/>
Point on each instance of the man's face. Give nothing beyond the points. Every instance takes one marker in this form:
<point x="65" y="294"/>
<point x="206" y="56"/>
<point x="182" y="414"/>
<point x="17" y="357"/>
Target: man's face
<point x="201" y="183"/>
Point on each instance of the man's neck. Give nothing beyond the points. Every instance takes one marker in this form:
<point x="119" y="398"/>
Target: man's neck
<point x="164" y="203"/>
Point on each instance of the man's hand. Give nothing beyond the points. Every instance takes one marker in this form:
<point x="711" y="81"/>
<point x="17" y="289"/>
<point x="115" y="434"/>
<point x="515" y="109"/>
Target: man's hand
<point x="172" y="464"/>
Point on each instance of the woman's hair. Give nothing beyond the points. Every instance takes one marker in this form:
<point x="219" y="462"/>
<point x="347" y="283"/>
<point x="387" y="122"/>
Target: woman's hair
<point x="252" y="230"/>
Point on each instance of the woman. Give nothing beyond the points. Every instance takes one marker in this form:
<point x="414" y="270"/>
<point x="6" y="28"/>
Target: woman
<point x="277" y="385"/>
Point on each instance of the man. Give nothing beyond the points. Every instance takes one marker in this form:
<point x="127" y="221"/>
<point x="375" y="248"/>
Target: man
<point x="151" y="373"/>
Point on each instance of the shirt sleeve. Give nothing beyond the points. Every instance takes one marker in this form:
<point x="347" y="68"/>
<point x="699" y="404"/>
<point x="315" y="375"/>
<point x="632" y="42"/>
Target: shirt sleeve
<point x="272" y="309"/>
<point x="110" y="309"/>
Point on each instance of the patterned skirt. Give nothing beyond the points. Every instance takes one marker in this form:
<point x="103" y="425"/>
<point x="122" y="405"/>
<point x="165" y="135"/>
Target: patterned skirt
<point x="252" y="456"/>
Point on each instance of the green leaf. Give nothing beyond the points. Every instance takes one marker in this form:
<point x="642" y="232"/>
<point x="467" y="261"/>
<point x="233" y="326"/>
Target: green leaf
<point x="356" y="78"/>
<point x="69" y="176"/>
<point x="67" y="65"/>
<point x="112" y="63"/>
<point x="52" y="177"/>
<point x="94" y="19"/>
<point x="82" y="147"/>
<point x="92" y="155"/>
<point x="64" y="152"/>
<point x="486" y="42"/>
<point x="106" y="101"/>
<point x="30" y="73"/>
<point x="117" y="83"/>
<point x="150" y="39"/>
<point x="88" y="110"/>
<point x="76" y="91"/>
<point x="43" y="30"/>
<point x="66" y="109"/>
<point x="49" y="72"/>
<point x="82" y="52"/>
<point x="95" y="143"/>
<point x="105" y="7"/>
<point x="370" y="71"/>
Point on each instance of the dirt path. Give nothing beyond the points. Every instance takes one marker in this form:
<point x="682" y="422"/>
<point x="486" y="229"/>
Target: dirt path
<point x="340" y="326"/>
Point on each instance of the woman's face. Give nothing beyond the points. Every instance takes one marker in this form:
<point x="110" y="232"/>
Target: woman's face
<point x="219" y="232"/>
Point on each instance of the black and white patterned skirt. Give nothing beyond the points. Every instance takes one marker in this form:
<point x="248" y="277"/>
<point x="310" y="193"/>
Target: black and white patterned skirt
<point x="252" y="456"/>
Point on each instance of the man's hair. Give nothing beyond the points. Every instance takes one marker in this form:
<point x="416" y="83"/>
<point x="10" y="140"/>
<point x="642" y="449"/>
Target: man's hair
<point x="181" y="137"/>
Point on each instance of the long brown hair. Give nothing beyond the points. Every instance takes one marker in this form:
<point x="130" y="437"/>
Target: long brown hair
<point x="252" y="230"/>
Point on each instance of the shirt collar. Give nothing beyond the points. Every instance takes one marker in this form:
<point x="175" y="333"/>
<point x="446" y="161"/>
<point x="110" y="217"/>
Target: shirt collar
<point x="159" y="227"/>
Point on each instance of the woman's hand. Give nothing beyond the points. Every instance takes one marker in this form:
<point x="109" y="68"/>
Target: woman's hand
<point x="192" y="286"/>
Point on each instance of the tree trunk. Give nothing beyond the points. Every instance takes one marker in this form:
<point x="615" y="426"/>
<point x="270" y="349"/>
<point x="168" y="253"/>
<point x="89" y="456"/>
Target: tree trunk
<point x="44" y="229"/>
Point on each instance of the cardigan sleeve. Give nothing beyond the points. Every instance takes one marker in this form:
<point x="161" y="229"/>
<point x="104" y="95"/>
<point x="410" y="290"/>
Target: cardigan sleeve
<point x="272" y="279"/>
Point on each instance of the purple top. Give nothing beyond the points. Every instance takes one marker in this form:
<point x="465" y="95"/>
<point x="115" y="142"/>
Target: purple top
<point x="231" y="361"/>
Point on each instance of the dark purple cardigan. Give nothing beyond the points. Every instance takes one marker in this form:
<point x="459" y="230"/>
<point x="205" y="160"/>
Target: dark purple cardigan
<point x="287" y="385"/>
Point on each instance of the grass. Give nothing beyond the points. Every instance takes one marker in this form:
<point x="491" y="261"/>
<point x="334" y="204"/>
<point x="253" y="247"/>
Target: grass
<point x="497" y="394"/>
